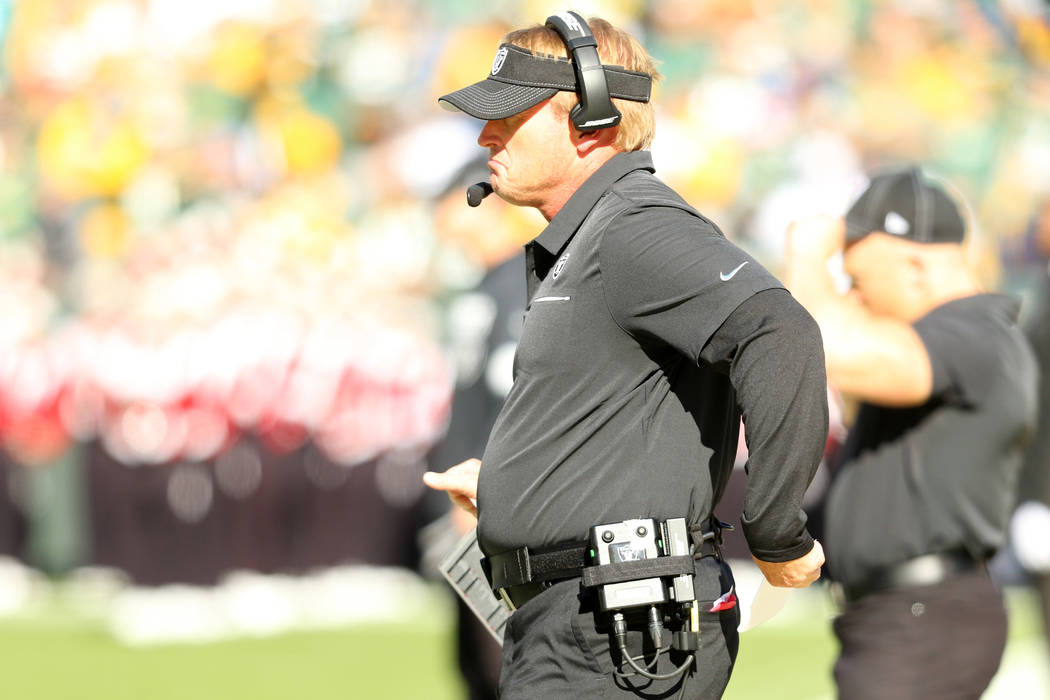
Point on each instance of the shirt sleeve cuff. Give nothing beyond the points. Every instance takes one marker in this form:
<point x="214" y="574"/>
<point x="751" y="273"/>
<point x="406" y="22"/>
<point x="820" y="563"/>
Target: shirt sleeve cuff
<point x="777" y="556"/>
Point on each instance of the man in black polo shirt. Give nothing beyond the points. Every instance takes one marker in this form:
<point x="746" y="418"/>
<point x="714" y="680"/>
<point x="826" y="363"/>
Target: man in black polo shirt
<point x="647" y="334"/>
<point x="926" y="482"/>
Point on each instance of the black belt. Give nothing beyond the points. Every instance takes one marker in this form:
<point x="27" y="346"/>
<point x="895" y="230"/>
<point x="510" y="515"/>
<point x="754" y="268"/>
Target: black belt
<point x="925" y="570"/>
<point x="519" y="575"/>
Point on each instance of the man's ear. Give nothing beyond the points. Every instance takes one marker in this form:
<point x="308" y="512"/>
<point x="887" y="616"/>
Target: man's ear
<point x="587" y="141"/>
<point x="918" y="272"/>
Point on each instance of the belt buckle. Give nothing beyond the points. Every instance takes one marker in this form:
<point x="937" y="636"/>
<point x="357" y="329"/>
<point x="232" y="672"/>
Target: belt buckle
<point x="719" y="528"/>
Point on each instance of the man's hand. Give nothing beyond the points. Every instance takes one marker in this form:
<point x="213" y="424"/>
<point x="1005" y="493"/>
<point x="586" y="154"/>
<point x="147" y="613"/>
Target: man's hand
<point x="797" y="573"/>
<point x="460" y="482"/>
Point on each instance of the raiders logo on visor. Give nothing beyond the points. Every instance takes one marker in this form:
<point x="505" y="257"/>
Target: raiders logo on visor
<point x="497" y="62"/>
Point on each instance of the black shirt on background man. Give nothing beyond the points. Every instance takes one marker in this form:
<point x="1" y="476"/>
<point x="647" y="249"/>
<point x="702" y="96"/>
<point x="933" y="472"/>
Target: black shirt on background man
<point x="925" y="487"/>
<point x="940" y="476"/>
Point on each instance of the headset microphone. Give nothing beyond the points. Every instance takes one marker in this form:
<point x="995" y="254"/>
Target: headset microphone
<point x="478" y="192"/>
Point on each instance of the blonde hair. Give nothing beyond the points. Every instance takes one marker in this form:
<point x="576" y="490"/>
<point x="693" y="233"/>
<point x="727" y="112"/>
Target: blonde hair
<point x="616" y="48"/>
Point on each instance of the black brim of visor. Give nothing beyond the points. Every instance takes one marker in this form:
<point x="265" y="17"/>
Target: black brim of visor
<point x="491" y="99"/>
<point x="520" y="80"/>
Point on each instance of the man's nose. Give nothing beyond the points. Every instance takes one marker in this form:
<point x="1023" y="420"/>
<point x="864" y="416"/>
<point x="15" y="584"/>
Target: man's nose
<point x="489" y="135"/>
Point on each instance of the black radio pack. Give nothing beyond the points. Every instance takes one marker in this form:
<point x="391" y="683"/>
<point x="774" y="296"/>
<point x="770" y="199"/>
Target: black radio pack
<point x="641" y="541"/>
<point x="646" y="564"/>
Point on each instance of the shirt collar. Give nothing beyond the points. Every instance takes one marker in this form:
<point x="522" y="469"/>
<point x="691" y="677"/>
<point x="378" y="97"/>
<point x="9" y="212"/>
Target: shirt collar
<point x="568" y="219"/>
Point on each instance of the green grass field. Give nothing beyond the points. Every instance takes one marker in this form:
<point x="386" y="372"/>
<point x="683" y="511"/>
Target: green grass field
<point x="60" y="662"/>
<point x="55" y="652"/>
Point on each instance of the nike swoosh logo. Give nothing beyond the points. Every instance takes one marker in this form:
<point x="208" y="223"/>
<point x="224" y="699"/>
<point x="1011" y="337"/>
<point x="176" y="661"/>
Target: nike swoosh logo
<point x="725" y="278"/>
<point x="552" y="299"/>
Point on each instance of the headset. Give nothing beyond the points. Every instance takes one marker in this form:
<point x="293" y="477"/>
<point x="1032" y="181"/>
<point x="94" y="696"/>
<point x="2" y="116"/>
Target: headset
<point x="595" y="109"/>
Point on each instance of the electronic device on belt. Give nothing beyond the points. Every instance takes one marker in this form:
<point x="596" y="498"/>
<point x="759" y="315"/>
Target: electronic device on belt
<point x="640" y="570"/>
<point x="631" y="540"/>
<point x="623" y="554"/>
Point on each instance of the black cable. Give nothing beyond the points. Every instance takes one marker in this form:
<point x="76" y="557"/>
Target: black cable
<point x="660" y="676"/>
<point x="681" y="693"/>
<point x="620" y="631"/>
<point x="648" y="665"/>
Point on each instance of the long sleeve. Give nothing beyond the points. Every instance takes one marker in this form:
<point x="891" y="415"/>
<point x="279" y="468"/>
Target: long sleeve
<point x="774" y="354"/>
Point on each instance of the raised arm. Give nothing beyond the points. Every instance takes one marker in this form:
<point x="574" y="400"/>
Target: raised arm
<point x="874" y="357"/>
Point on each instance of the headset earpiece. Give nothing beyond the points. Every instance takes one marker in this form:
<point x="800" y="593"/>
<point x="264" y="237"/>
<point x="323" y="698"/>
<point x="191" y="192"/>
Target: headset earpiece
<point x="595" y="109"/>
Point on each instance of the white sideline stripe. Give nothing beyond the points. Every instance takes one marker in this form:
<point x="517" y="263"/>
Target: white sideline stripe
<point x="249" y="604"/>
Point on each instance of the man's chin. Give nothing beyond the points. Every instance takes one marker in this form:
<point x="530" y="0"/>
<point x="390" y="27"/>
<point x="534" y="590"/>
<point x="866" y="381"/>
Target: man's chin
<point x="511" y="194"/>
<point x="510" y="197"/>
<point x="502" y="191"/>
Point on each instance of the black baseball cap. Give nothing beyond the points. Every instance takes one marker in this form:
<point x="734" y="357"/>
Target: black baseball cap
<point x="519" y="79"/>
<point x="905" y="203"/>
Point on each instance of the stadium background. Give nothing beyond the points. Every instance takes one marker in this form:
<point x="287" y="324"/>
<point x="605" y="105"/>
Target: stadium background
<point x="224" y="352"/>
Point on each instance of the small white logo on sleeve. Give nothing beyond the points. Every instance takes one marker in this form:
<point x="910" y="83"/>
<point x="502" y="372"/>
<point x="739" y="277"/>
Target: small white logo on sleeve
<point x="725" y="277"/>
<point x="559" y="266"/>
<point x="896" y="224"/>
<point x="497" y="62"/>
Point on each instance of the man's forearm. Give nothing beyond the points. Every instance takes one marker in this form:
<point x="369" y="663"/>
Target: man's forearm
<point x="777" y="370"/>
<point x="782" y="391"/>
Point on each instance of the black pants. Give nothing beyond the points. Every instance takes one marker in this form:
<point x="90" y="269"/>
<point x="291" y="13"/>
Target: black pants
<point x="478" y="655"/>
<point x="929" y="642"/>
<point x="558" y="645"/>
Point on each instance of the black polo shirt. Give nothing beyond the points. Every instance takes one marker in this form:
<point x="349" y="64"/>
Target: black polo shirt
<point x="615" y="413"/>
<point x="940" y="476"/>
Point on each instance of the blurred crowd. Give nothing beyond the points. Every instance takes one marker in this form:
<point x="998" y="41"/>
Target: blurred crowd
<point x="224" y="270"/>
